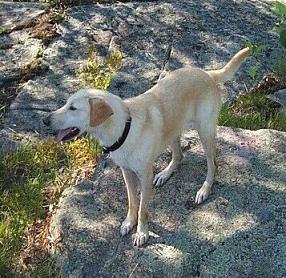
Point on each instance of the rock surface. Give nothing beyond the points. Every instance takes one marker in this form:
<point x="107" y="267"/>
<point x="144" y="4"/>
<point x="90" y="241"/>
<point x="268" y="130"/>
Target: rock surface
<point x="153" y="36"/>
<point x="17" y="48"/>
<point x="279" y="97"/>
<point x="7" y="142"/>
<point x="238" y="232"/>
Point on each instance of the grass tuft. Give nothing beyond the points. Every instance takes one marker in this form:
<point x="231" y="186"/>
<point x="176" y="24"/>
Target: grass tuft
<point x="98" y="74"/>
<point x="24" y="176"/>
<point x="33" y="177"/>
<point x="280" y="65"/>
<point x="253" y="111"/>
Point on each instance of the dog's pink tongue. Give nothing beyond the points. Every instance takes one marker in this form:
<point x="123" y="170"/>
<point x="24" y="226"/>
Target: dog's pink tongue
<point x="62" y="133"/>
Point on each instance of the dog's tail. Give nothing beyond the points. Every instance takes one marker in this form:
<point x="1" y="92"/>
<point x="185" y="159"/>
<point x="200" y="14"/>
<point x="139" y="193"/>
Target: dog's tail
<point x="228" y="71"/>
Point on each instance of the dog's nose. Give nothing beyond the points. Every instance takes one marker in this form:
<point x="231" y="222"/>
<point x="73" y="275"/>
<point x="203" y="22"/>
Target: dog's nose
<point x="47" y="120"/>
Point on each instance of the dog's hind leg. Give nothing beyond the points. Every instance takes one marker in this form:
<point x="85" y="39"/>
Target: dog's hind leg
<point x="177" y="156"/>
<point x="131" y="182"/>
<point x="207" y="133"/>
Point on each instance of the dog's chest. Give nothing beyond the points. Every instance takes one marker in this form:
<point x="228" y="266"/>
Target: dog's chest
<point x="120" y="159"/>
<point x="125" y="161"/>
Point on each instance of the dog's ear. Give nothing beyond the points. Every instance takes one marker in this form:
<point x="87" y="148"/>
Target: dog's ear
<point x="99" y="111"/>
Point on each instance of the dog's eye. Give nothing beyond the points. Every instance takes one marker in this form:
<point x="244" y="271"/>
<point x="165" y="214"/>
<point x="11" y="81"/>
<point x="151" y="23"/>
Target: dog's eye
<point x="72" y="108"/>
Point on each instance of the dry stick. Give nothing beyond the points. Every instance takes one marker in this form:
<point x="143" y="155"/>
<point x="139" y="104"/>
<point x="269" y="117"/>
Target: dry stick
<point x="112" y="44"/>
<point x="133" y="270"/>
<point x="167" y="58"/>
<point x="245" y="87"/>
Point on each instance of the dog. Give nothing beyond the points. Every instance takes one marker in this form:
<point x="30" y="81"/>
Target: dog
<point x="137" y="130"/>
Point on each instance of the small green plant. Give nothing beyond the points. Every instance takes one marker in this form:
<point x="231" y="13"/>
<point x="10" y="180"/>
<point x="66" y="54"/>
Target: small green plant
<point x="57" y="16"/>
<point x="253" y="71"/>
<point x="40" y="53"/>
<point x="255" y="110"/>
<point x="256" y="51"/>
<point x="280" y="27"/>
<point x="280" y="65"/>
<point x="99" y="74"/>
<point x="2" y="29"/>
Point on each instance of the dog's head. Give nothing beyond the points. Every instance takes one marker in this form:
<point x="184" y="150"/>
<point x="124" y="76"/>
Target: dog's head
<point x="84" y="110"/>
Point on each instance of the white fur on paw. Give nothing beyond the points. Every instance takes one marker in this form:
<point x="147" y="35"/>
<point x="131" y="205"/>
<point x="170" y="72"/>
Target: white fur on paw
<point x="202" y="195"/>
<point x="126" y="227"/>
<point x="161" y="178"/>
<point x="140" y="238"/>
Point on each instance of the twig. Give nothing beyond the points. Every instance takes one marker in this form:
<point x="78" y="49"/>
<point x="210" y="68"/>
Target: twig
<point x="246" y="89"/>
<point x="133" y="270"/>
<point x="167" y="58"/>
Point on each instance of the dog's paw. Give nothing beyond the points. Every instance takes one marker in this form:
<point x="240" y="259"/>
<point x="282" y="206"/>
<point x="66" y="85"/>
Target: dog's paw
<point x="140" y="238"/>
<point x="161" y="178"/>
<point x="202" y="194"/>
<point x="126" y="227"/>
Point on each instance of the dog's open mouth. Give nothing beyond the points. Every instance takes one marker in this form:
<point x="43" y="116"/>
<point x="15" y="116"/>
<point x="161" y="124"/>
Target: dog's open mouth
<point x="67" y="134"/>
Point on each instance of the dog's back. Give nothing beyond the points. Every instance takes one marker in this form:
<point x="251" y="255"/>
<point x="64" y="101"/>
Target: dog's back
<point x="184" y="96"/>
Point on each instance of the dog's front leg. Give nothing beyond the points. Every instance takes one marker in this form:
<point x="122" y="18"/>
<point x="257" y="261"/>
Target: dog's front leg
<point x="131" y="182"/>
<point x="145" y="178"/>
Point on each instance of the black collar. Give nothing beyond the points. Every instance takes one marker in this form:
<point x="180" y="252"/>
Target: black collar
<point x="121" y="140"/>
